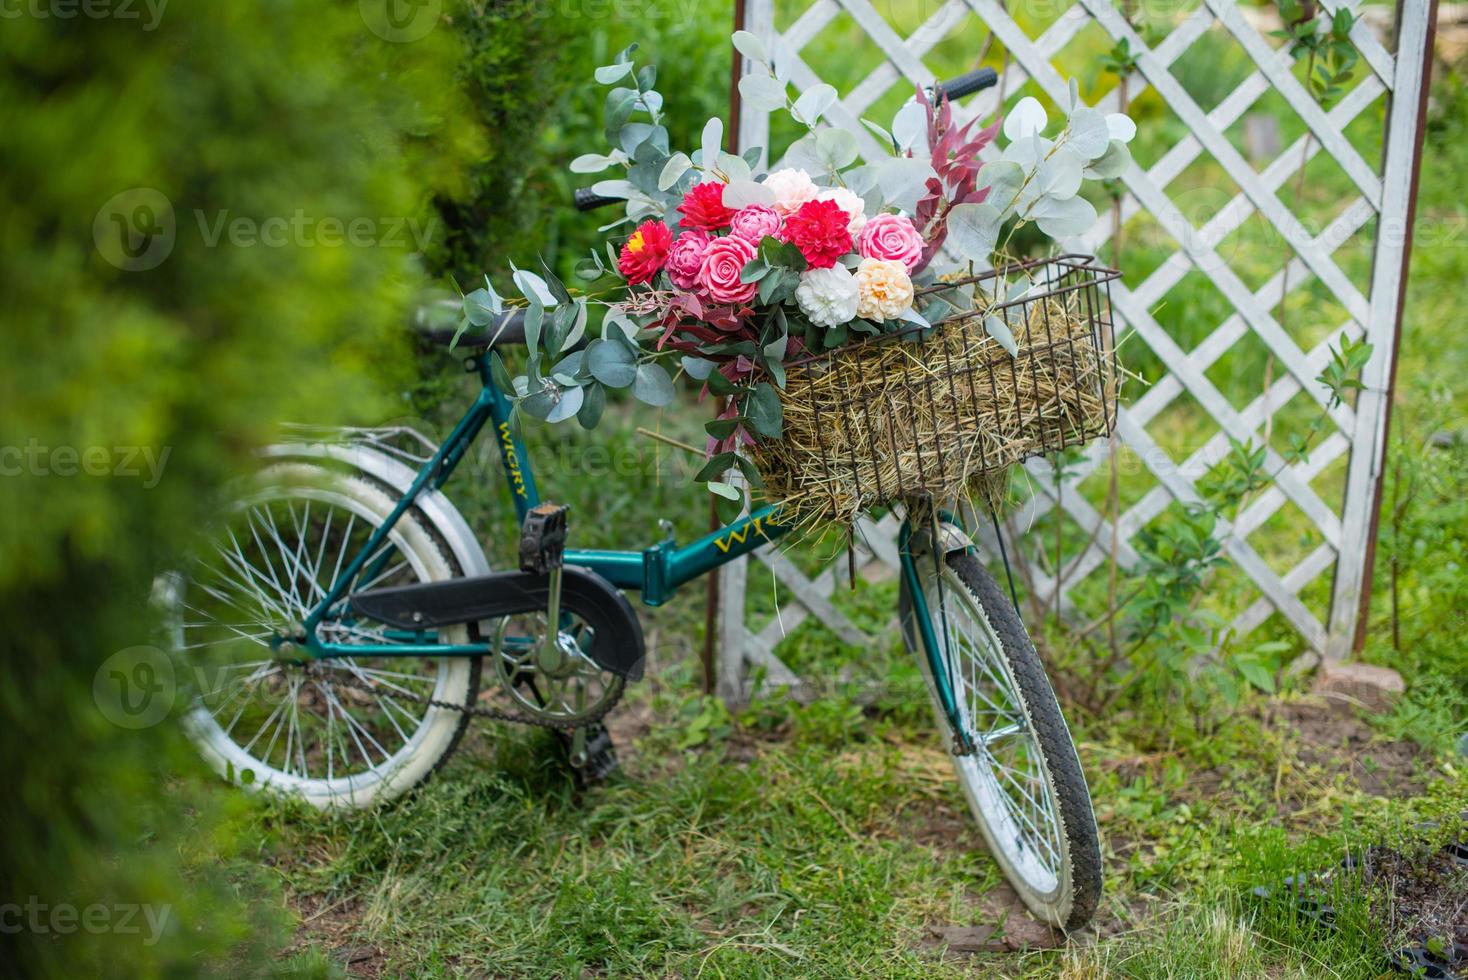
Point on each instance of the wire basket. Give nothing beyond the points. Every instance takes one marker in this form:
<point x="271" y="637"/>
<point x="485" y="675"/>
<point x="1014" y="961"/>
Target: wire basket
<point x="928" y="412"/>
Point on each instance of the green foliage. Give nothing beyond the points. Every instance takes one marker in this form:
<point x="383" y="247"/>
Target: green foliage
<point x="512" y="71"/>
<point x="264" y="132"/>
<point x="1330" y="56"/>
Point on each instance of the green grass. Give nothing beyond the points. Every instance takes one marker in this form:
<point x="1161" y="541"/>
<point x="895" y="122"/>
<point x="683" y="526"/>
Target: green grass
<point x="828" y="839"/>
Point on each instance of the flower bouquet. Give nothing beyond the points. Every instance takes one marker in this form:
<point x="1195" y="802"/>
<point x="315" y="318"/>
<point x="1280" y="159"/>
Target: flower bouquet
<point x="805" y="300"/>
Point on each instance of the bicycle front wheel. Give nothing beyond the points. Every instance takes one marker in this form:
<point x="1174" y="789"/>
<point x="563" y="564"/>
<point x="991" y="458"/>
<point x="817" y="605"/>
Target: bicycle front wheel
<point x="1022" y="777"/>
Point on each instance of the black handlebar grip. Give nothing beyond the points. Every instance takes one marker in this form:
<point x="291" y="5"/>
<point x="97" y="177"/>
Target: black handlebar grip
<point x="586" y="199"/>
<point x="974" y="81"/>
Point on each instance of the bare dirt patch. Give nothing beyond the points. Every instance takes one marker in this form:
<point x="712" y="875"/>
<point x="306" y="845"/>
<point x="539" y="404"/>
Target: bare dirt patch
<point x="332" y="926"/>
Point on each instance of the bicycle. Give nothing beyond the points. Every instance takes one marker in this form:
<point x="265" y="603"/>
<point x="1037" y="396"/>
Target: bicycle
<point x="376" y="609"/>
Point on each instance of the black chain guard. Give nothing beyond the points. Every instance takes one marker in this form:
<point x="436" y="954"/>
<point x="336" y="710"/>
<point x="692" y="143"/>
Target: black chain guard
<point x="617" y="646"/>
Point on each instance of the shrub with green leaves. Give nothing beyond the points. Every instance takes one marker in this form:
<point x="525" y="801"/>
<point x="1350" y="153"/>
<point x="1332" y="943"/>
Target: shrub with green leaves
<point x="209" y="227"/>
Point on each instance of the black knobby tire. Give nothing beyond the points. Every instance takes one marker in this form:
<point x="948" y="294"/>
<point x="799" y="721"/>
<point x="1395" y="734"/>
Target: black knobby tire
<point x="1074" y="899"/>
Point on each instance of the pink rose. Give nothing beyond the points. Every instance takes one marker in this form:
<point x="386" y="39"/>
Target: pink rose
<point x="891" y="238"/>
<point x="723" y="260"/>
<point x="754" y="222"/>
<point x="686" y="258"/>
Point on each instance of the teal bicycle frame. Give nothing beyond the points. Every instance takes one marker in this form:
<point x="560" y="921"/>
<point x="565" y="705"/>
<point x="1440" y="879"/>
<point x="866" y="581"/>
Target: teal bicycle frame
<point x="654" y="572"/>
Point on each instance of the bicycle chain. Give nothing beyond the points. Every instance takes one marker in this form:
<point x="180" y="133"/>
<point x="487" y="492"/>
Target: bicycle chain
<point x="493" y="714"/>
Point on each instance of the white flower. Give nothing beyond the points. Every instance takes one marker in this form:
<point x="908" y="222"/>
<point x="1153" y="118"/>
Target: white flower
<point x="850" y="202"/>
<point x="829" y="297"/>
<point x="792" y="189"/>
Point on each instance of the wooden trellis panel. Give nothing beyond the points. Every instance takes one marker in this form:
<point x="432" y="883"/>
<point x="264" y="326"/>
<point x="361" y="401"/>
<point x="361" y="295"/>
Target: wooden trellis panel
<point x="1384" y="195"/>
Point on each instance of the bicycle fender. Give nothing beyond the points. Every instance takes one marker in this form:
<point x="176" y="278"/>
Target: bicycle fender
<point x="618" y="645"/>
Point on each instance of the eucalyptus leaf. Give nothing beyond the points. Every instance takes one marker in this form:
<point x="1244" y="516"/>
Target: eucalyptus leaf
<point x="1112" y="163"/>
<point x="652" y="385"/>
<point x="762" y="91"/>
<point x="697" y="368"/>
<point x="1059" y="176"/>
<point x="592" y="405"/>
<point x="533" y="318"/>
<point x="717" y="466"/>
<point x="750" y="46"/>
<point x="479" y="308"/>
<point x="973" y="230"/>
<point x="1120" y="126"/>
<point x="734" y="167"/>
<point x="1027" y="118"/>
<point x="1061" y="218"/>
<point x="634" y="134"/>
<point x="743" y="193"/>
<point x="609" y="74"/>
<point x="1004" y="179"/>
<point x="618" y="109"/>
<point x="712" y="140"/>
<point x="888" y="140"/>
<point x="611" y="363"/>
<point x="499" y="374"/>
<point x="814" y="102"/>
<point x="725" y="490"/>
<point x="590" y="163"/>
<point x="538" y="405"/>
<point x="614" y="188"/>
<point x="765" y="412"/>
<point x="578" y="326"/>
<point x="533" y="287"/>
<point x="837" y="148"/>
<point x="805" y="154"/>
<point x="909" y="125"/>
<point x="1000" y="331"/>
<point x="903" y="180"/>
<point x="566" y="406"/>
<point x="1088" y="133"/>
<point x="678" y="164"/>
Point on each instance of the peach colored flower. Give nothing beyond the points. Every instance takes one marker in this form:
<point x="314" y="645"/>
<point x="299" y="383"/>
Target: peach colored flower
<point x="792" y="189"/>
<point x="886" y="290"/>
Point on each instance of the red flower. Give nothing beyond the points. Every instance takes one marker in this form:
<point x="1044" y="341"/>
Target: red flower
<point x="645" y="252"/>
<point x="703" y="207"/>
<point x="819" y="230"/>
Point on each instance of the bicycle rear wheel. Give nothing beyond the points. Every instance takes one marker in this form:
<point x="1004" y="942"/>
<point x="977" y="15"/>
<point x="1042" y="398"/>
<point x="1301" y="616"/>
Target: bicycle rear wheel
<point x="1023" y="779"/>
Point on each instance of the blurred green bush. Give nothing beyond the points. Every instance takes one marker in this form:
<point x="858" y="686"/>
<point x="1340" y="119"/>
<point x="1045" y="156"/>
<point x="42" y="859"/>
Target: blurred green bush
<point x="176" y="191"/>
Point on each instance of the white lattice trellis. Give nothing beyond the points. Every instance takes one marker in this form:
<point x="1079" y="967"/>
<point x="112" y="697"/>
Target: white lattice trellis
<point x="1383" y="194"/>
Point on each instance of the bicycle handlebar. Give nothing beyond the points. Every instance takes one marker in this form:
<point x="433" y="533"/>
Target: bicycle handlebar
<point x="966" y="84"/>
<point x="977" y="80"/>
<point x="586" y="199"/>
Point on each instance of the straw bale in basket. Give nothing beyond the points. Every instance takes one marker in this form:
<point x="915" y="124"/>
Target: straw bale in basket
<point x="902" y="418"/>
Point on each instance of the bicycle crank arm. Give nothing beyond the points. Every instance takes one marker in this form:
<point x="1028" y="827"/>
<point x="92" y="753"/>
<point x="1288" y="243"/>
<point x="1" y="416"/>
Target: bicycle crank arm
<point x="617" y="644"/>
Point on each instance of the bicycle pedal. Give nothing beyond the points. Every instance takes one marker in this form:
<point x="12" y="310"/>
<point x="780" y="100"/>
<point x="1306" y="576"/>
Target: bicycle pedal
<point x="543" y="538"/>
<point x="596" y="759"/>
